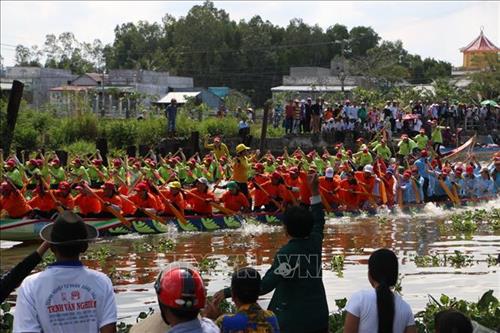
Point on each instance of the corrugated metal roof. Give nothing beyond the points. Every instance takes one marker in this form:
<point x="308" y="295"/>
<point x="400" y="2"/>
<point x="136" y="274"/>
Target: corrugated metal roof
<point x="312" y="88"/>
<point x="180" y="97"/>
<point x="6" y="86"/>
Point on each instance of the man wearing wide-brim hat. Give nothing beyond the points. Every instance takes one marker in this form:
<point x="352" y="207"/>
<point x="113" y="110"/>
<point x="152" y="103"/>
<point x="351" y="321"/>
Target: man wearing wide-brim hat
<point x="67" y="296"/>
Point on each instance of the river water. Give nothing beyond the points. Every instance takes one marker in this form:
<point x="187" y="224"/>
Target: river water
<point x="134" y="261"/>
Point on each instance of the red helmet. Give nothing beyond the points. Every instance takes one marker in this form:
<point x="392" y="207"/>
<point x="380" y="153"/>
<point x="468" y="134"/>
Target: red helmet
<point x="258" y="166"/>
<point x="180" y="287"/>
<point x="117" y="162"/>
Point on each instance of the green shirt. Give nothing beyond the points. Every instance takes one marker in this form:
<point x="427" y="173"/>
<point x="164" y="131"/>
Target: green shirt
<point x="16" y="177"/>
<point x="57" y="175"/>
<point x="383" y="151"/>
<point x="405" y="148"/>
<point x="436" y="135"/>
<point x="421" y="140"/>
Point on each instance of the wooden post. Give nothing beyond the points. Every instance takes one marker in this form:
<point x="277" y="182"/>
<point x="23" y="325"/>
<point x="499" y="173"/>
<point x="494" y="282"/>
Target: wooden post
<point x="12" y="110"/>
<point x="263" y="133"/>
<point x="102" y="145"/>
<point x="195" y="142"/>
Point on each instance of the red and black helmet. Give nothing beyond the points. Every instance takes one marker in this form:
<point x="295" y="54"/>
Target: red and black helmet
<point x="181" y="287"/>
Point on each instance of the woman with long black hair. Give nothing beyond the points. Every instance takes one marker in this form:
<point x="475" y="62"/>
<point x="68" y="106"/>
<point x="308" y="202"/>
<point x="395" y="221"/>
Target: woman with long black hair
<point x="379" y="306"/>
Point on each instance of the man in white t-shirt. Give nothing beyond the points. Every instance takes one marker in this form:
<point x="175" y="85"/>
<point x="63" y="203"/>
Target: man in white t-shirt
<point x="67" y="296"/>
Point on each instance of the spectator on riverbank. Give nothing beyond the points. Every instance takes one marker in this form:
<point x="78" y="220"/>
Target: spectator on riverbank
<point x="379" y="307"/>
<point x="66" y="296"/>
<point x="452" y="321"/>
<point x="181" y="296"/>
<point x="299" y="299"/>
<point x="250" y="317"/>
<point x="16" y="275"/>
<point x="171" y="114"/>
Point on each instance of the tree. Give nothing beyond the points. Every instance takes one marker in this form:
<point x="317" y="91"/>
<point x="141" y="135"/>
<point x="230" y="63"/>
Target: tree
<point x="486" y="83"/>
<point x="26" y="56"/>
<point x="362" y="39"/>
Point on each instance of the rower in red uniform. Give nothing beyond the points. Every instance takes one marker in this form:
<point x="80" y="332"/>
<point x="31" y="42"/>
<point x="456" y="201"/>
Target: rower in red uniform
<point x="368" y="184"/>
<point x="175" y="196"/>
<point x="350" y="190"/>
<point x="304" y="190"/>
<point x="276" y="191"/>
<point x="12" y="201"/>
<point x="63" y="195"/>
<point x="143" y="199"/>
<point x="42" y="201"/>
<point x="292" y="182"/>
<point x="234" y="199"/>
<point x="109" y="195"/>
<point x="200" y="197"/>
<point x="259" y="198"/>
<point x="329" y="186"/>
<point x="86" y="202"/>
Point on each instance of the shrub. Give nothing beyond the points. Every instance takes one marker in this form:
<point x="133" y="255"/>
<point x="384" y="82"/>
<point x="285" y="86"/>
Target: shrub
<point x="185" y="125"/>
<point x="25" y="138"/>
<point x="80" y="148"/>
<point x="227" y="126"/>
<point x="72" y="129"/>
<point x="121" y="133"/>
<point x="150" y="131"/>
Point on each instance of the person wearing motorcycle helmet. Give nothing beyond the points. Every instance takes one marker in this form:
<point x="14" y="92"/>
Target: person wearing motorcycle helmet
<point x="181" y="295"/>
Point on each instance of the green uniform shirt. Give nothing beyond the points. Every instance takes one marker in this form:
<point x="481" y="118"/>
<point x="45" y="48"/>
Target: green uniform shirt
<point x="421" y="140"/>
<point x="436" y="135"/>
<point x="405" y="148"/>
<point x="383" y="151"/>
<point x="16" y="177"/>
<point x="57" y="175"/>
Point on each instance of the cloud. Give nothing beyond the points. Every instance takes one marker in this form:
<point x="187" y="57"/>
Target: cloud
<point x="431" y="29"/>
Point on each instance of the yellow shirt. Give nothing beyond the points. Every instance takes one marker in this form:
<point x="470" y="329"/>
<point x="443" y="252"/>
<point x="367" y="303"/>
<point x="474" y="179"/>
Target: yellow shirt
<point x="220" y="151"/>
<point x="240" y="169"/>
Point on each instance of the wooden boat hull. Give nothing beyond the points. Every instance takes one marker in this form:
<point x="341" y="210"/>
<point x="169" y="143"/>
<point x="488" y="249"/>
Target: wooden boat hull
<point x="29" y="229"/>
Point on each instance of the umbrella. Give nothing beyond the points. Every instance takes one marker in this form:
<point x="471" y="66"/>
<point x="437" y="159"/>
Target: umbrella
<point x="489" y="102"/>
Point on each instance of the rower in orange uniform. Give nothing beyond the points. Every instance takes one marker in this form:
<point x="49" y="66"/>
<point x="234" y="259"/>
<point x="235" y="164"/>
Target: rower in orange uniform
<point x="329" y="186"/>
<point x="109" y="195"/>
<point x="12" y="201"/>
<point x="349" y="195"/>
<point x="234" y="199"/>
<point x="176" y="198"/>
<point x="42" y="202"/>
<point x="292" y="181"/>
<point x="86" y="202"/>
<point x="276" y="191"/>
<point x="200" y="197"/>
<point x="63" y="195"/>
<point x="368" y="184"/>
<point x="143" y="199"/>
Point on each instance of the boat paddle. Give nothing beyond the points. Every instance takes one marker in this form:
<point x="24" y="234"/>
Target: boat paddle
<point x="178" y="215"/>
<point x="221" y="208"/>
<point x="109" y="208"/>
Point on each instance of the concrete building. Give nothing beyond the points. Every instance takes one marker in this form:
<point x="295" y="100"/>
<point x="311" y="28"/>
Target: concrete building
<point x="316" y="81"/>
<point x="118" y="94"/>
<point x="38" y="81"/>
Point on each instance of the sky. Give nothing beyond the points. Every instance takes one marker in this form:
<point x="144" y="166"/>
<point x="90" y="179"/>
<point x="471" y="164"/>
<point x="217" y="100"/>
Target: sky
<point x="434" y="29"/>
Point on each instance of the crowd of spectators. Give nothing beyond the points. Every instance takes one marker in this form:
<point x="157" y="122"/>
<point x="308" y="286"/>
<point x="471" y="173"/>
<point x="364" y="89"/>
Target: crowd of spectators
<point x="362" y="119"/>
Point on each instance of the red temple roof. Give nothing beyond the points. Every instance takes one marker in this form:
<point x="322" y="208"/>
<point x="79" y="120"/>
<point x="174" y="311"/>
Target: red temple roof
<point x="481" y="43"/>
